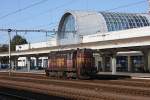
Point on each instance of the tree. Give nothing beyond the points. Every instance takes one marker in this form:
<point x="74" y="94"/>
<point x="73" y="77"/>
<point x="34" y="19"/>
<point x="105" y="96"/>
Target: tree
<point x="17" y="40"/>
<point x="4" y="48"/>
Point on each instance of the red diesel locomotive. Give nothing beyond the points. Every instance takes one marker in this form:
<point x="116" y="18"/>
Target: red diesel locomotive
<point x="71" y="64"/>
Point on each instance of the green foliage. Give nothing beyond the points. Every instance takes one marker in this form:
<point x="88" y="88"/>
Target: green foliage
<point x="17" y="40"/>
<point x="4" y="48"/>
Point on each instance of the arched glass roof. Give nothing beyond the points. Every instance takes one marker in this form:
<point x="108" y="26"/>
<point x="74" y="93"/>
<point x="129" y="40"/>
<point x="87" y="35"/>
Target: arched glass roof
<point x="67" y="25"/>
<point x="121" y="21"/>
<point x="92" y="22"/>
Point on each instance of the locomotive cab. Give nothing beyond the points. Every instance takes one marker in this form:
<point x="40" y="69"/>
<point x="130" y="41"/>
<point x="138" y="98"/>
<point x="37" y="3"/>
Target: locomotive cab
<point x="71" y="64"/>
<point x="85" y="63"/>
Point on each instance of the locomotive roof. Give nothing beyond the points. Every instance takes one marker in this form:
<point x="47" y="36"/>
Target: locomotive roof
<point x="62" y="52"/>
<point x="70" y="51"/>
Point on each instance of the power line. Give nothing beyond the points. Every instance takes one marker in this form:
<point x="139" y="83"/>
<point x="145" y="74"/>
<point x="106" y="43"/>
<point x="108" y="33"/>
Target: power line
<point x="128" y="5"/>
<point x="42" y="25"/>
<point x="123" y="6"/>
<point x="22" y="9"/>
<point x="60" y="6"/>
<point x="32" y="30"/>
<point x="50" y="10"/>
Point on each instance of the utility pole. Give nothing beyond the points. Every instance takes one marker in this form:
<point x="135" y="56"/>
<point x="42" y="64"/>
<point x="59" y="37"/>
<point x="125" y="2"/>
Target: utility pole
<point x="9" y="51"/>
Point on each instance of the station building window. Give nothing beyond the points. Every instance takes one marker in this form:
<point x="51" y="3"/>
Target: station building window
<point x="137" y="64"/>
<point x="122" y="63"/>
<point x="107" y="64"/>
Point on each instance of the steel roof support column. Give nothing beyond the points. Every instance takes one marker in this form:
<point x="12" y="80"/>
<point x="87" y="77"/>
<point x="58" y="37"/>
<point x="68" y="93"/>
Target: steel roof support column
<point x="12" y="65"/>
<point x="129" y="64"/>
<point x="16" y="63"/>
<point x="37" y="62"/>
<point x="113" y="63"/>
<point x="28" y="63"/>
<point x="146" y="61"/>
<point x="0" y="63"/>
<point x="103" y="63"/>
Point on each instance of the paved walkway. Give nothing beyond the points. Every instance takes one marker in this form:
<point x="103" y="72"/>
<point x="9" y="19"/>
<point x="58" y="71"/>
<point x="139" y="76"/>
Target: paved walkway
<point x="25" y="71"/>
<point x="133" y="75"/>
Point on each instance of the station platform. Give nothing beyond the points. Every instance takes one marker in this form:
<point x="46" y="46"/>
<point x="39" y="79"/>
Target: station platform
<point x="25" y="71"/>
<point x="100" y="75"/>
<point x="127" y="74"/>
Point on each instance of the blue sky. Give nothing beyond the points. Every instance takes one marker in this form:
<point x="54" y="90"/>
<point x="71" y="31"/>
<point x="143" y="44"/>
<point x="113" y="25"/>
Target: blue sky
<point x="48" y="14"/>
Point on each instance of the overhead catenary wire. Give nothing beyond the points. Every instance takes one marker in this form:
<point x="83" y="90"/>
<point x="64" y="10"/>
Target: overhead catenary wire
<point x="123" y="6"/>
<point x="42" y="25"/>
<point x="22" y="9"/>
<point x="127" y="5"/>
<point x="48" y="11"/>
<point x="42" y="13"/>
<point x="32" y="30"/>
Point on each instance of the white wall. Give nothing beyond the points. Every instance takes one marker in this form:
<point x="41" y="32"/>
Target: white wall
<point x="52" y="42"/>
<point x="97" y="59"/>
<point x="38" y="45"/>
<point x="49" y="43"/>
<point x="22" y="61"/>
<point x="123" y="34"/>
<point x="71" y="38"/>
<point x="22" y="47"/>
<point x="74" y="39"/>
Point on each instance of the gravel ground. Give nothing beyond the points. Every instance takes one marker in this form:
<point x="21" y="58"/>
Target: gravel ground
<point x="128" y="89"/>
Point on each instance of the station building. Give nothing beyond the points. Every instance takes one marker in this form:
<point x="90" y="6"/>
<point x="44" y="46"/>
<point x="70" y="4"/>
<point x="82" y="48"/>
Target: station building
<point x="76" y="25"/>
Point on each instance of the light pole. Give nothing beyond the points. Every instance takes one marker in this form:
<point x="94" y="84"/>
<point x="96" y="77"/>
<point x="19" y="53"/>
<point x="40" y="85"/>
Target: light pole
<point x="9" y="50"/>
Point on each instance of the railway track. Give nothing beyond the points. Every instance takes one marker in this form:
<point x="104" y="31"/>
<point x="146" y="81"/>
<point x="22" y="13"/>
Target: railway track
<point x="98" y="89"/>
<point x="104" y="87"/>
<point x="125" y="82"/>
<point x="10" y="96"/>
<point x="7" y="93"/>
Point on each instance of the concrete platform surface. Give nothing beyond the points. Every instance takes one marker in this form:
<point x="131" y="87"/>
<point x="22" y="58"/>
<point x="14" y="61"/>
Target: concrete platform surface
<point x="25" y="71"/>
<point x="132" y="75"/>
